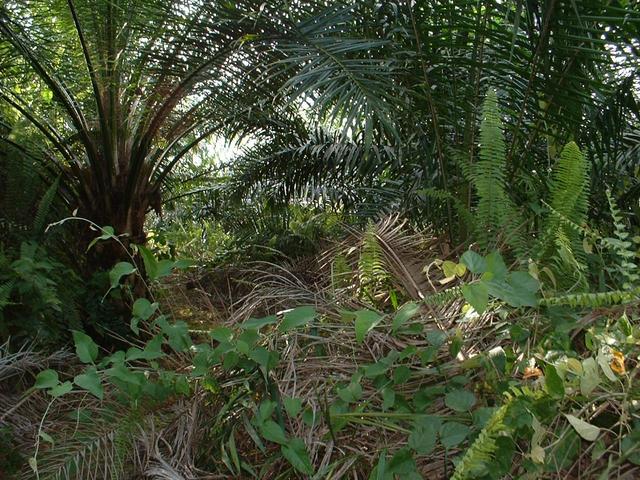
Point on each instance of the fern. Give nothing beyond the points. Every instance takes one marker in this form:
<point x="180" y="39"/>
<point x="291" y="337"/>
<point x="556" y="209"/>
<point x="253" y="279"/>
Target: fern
<point x="44" y="207"/>
<point x="568" y="205"/>
<point x="483" y="448"/>
<point x="496" y="216"/>
<point x="371" y="265"/>
<point x="444" y="297"/>
<point x="443" y="195"/>
<point x="626" y="266"/>
<point x="594" y="300"/>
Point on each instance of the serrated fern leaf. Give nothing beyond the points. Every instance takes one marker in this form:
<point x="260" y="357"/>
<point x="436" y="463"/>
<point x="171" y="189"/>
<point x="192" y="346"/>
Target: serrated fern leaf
<point x="482" y="450"/>
<point x="496" y="216"/>
<point x="44" y="207"/>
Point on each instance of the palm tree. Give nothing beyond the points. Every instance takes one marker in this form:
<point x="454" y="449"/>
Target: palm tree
<point x="564" y="70"/>
<point x="132" y="88"/>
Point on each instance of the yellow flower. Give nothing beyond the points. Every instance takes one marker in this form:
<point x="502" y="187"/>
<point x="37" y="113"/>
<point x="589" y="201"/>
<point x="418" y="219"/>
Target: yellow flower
<point x="617" y="362"/>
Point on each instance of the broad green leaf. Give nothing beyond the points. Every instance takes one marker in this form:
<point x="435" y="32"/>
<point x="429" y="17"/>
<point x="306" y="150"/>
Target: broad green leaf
<point x="86" y="349"/>
<point x="122" y="373"/>
<point x="164" y="268"/>
<point x="265" y="410"/>
<point x="477" y="295"/>
<point x="107" y="233"/>
<point x="258" y="323"/>
<point x="60" y="390"/>
<point x="296" y="453"/>
<point x="351" y="393"/>
<point x="120" y="270"/>
<point x="150" y="262"/>
<point x="518" y="289"/>
<point x="474" y="262"/>
<point x="496" y="266"/>
<point x="388" y="398"/>
<point x="453" y="433"/>
<point x="273" y="432"/>
<point x="585" y="430"/>
<point x="401" y="374"/>
<point x="555" y="385"/>
<point x="292" y="406"/>
<point x="460" y="400"/>
<point x="177" y="334"/>
<point x="90" y="381"/>
<point x="436" y="337"/>
<point x="424" y="434"/>
<point x="221" y="334"/>
<point x="46" y="379"/>
<point x="366" y="320"/>
<point x="297" y="317"/>
<point x="402" y="465"/>
<point x="590" y="377"/>
<point x="263" y="357"/>
<point x="604" y="360"/>
<point x="375" y="369"/>
<point x="408" y="311"/>
<point x="143" y="308"/>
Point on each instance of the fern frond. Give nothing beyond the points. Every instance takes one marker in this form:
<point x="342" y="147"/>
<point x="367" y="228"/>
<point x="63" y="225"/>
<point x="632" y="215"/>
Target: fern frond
<point x="626" y="265"/>
<point x="44" y="207"/>
<point x="568" y="205"/>
<point x="444" y="297"/>
<point x="443" y="195"/>
<point x="496" y="216"/>
<point x="371" y="264"/>
<point x="483" y="448"/>
<point x="593" y="300"/>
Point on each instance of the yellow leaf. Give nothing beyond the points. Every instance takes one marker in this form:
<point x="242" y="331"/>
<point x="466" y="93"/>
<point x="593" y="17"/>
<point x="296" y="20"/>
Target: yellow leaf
<point x="617" y="362"/>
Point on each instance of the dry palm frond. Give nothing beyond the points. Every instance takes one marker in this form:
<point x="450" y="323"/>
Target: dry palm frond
<point x="313" y="362"/>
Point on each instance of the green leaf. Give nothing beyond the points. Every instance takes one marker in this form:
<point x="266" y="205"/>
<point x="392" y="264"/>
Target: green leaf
<point x="388" y="398"/>
<point x="263" y="357"/>
<point x="46" y="437"/>
<point x="273" y="432"/>
<point x="120" y="270"/>
<point x="496" y="266"/>
<point x="177" y="334"/>
<point x="453" y="433"/>
<point x="90" y="381"/>
<point x="292" y="406"/>
<point x="366" y="320"/>
<point x="143" y="308"/>
<point x="424" y="434"/>
<point x="474" y="262"/>
<point x="407" y="312"/>
<point x="477" y="295"/>
<point x="351" y="393"/>
<point x="150" y="262"/>
<point x="296" y="453"/>
<point x="519" y="289"/>
<point x="86" y="349"/>
<point x="460" y="400"/>
<point x="436" y="337"/>
<point x="297" y="318"/>
<point x="553" y="382"/>
<point x="60" y="390"/>
<point x="108" y="232"/>
<point x="221" y="334"/>
<point x="590" y="378"/>
<point x="47" y="379"/>
<point x="585" y="430"/>
<point x="258" y="323"/>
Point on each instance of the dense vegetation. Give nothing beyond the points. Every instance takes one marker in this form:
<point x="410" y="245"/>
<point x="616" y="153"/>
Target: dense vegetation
<point x="319" y="239"/>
